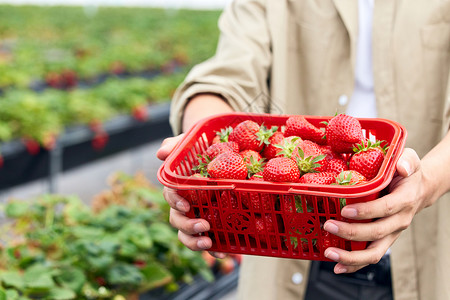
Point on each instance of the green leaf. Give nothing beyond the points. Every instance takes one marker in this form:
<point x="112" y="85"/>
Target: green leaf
<point x="163" y="234"/>
<point x="156" y="275"/>
<point x="88" y="232"/>
<point x="16" y="209"/>
<point x="2" y="294"/>
<point x="72" y="278"/>
<point x="100" y="262"/>
<point x="12" y="279"/>
<point x="125" y="275"/>
<point x="137" y="234"/>
<point x="11" y="294"/>
<point x="61" y="294"/>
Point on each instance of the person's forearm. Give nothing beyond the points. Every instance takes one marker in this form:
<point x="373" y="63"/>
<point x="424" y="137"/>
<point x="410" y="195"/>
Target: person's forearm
<point x="436" y="170"/>
<point x="202" y="106"/>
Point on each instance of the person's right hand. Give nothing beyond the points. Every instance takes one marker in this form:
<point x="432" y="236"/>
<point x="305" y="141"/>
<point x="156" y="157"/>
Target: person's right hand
<point x="188" y="229"/>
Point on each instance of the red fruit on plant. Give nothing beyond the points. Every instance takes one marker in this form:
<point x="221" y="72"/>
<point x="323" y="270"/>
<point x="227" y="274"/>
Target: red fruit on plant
<point x="101" y="281"/>
<point x="249" y="135"/>
<point x="350" y="177"/>
<point x="228" y="165"/>
<point x="140" y="112"/>
<point x="69" y="78"/>
<point x="281" y="169"/>
<point x="318" y="178"/>
<point x="32" y="146"/>
<point x="117" y="67"/>
<point x="367" y="159"/>
<point x="54" y="80"/>
<point x="343" y="132"/>
<point x="336" y="165"/>
<point x="299" y="126"/>
<point x="140" y="264"/>
<point x="226" y="265"/>
<point x="100" y="140"/>
<point x="49" y="141"/>
<point x="2" y="161"/>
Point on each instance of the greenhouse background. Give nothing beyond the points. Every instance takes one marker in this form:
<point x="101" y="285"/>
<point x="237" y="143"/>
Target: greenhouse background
<point x="85" y="89"/>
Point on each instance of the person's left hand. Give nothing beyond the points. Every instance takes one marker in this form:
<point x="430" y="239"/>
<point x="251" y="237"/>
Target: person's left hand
<point x="394" y="213"/>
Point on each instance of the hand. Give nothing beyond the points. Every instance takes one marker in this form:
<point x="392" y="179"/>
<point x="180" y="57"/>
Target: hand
<point x="188" y="229"/>
<point x="394" y="213"/>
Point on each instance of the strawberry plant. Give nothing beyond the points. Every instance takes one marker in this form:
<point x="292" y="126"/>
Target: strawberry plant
<point x="56" y="247"/>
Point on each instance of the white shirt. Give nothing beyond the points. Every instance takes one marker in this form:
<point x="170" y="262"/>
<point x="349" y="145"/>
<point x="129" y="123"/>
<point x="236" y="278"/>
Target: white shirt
<point x="363" y="103"/>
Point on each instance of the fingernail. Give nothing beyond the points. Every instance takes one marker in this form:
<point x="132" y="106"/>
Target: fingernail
<point x="405" y="164"/>
<point x="331" y="227"/>
<point x="349" y="212"/>
<point x="201" y="244"/>
<point x="340" y="270"/>
<point x="330" y="254"/>
<point x="199" y="227"/>
<point x="180" y="206"/>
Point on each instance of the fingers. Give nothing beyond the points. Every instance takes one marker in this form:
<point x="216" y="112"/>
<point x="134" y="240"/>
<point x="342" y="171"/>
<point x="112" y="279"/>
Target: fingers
<point x="218" y="254"/>
<point x="195" y="243"/>
<point x="352" y="261"/>
<point x="186" y="224"/>
<point x="408" y="163"/>
<point x="167" y="146"/>
<point x="371" y="231"/>
<point x="176" y="201"/>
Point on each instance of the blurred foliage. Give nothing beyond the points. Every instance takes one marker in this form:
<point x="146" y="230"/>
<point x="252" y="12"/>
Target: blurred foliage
<point x="56" y="247"/>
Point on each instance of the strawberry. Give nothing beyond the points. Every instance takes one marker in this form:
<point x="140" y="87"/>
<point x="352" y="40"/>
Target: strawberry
<point x="213" y="218"/>
<point x="328" y="240"/>
<point x="32" y="146"/>
<point x="99" y="140"/>
<point x="289" y="146"/>
<point x="228" y="165"/>
<point x="350" y="177"/>
<point x="271" y="150"/>
<point x="249" y="135"/>
<point x="281" y="169"/>
<point x="299" y="126"/>
<point x="49" y="141"/>
<point x="252" y="199"/>
<point x="140" y="112"/>
<point x="212" y="151"/>
<point x="343" y="132"/>
<point x="336" y="165"/>
<point x="330" y="154"/>
<point x="309" y="157"/>
<point x="249" y="155"/>
<point x="265" y="225"/>
<point x="318" y="178"/>
<point x="367" y="159"/>
<point x="222" y="135"/>
<point x="229" y="200"/>
<point x="253" y="160"/>
<point x="2" y="161"/>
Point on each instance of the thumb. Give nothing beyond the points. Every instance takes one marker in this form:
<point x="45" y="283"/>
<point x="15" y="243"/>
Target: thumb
<point x="408" y="163"/>
<point x="167" y="146"/>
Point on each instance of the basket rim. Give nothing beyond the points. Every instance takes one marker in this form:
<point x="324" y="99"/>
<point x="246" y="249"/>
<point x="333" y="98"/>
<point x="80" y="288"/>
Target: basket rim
<point x="170" y="179"/>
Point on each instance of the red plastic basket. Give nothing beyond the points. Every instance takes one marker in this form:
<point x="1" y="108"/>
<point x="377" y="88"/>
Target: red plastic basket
<point x="267" y="218"/>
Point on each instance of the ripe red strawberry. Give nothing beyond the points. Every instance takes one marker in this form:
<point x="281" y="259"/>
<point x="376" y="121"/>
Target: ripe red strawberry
<point x="299" y="126"/>
<point x="32" y="146"/>
<point x="336" y="165"/>
<point x="329" y="240"/>
<point x="248" y="155"/>
<point x="212" y="151"/>
<point x="343" y="132"/>
<point x="140" y="112"/>
<point x="228" y="165"/>
<point x="228" y="200"/>
<point x="330" y="154"/>
<point x="265" y="225"/>
<point x="367" y="159"/>
<point x="99" y="140"/>
<point x="309" y="157"/>
<point x="318" y="178"/>
<point x="257" y="200"/>
<point x="271" y="150"/>
<point x="350" y="177"/>
<point x="281" y="169"/>
<point x="249" y="135"/>
<point x="1" y="161"/>
<point x="222" y="135"/>
<point x="213" y="218"/>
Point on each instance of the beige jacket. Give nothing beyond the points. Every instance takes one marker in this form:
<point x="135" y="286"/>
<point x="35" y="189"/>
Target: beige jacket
<point x="298" y="57"/>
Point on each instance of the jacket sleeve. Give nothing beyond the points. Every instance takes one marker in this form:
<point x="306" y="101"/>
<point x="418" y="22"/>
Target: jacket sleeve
<point x="239" y="70"/>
